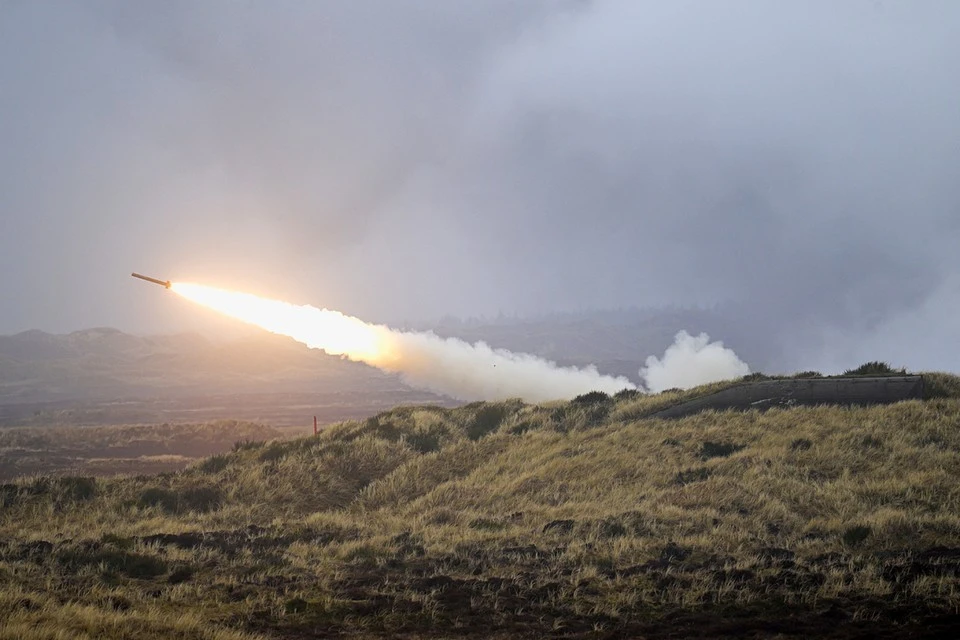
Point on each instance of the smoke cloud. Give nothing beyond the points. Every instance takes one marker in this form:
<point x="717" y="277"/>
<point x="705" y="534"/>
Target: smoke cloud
<point x="478" y="372"/>
<point x="692" y="361"/>
<point x="444" y="365"/>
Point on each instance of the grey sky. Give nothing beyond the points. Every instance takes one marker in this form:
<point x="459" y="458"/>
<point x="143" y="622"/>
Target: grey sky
<point x="796" y="161"/>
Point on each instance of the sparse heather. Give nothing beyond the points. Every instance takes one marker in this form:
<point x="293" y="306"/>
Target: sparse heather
<point x="575" y="519"/>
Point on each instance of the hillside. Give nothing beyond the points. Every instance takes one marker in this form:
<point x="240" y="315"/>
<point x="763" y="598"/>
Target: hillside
<point x="575" y="519"/>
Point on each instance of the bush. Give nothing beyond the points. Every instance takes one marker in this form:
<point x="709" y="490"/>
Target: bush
<point x="875" y="368"/>
<point x="591" y="398"/>
<point x="627" y="394"/>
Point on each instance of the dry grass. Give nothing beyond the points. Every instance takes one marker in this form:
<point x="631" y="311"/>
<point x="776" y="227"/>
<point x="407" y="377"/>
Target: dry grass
<point x="571" y="518"/>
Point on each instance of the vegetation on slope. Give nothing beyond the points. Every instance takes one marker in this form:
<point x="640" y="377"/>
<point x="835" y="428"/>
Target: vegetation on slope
<point x="573" y="519"/>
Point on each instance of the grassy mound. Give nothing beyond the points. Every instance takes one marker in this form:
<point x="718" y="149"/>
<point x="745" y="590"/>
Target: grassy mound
<point x="578" y="518"/>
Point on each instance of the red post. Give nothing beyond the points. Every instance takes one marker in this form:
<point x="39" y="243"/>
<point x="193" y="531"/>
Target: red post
<point x="314" y="425"/>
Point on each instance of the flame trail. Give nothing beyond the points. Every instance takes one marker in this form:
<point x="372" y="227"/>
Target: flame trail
<point x="446" y="365"/>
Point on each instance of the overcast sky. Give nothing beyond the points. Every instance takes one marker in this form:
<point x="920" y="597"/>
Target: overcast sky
<point x="798" y="162"/>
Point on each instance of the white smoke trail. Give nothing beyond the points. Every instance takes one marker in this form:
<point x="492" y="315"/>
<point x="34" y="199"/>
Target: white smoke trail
<point x="445" y="365"/>
<point x="692" y="361"/>
<point x="475" y="371"/>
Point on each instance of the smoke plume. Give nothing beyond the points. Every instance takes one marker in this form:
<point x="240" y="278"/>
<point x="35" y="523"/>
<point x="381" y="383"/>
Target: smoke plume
<point x="459" y="369"/>
<point x="444" y="365"/>
<point x="476" y="371"/>
<point x="691" y="361"/>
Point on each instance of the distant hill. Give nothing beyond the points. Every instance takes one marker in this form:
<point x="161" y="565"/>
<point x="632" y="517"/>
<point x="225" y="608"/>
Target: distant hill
<point x="103" y="363"/>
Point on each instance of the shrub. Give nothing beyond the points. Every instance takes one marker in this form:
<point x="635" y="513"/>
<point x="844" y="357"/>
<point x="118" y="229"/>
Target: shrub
<point x="800" y="444"/>
<point x="875" y="368"/>
<point x="627" y="394"/>
<point x="591" y="398"/>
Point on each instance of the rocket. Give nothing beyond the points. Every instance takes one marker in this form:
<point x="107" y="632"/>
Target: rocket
<point x="163" y="283"/>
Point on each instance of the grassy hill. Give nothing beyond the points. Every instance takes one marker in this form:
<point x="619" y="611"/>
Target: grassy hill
<point x="575" y="519"/>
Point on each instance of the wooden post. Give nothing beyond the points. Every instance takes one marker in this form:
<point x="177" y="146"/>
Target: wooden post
<point x="314" y="425"/>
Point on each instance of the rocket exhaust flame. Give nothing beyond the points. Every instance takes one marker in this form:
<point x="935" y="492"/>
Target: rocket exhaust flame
<point x="445" y="365"/>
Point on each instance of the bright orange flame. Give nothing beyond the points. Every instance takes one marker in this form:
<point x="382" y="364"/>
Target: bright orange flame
<point x="331" y="331"/>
